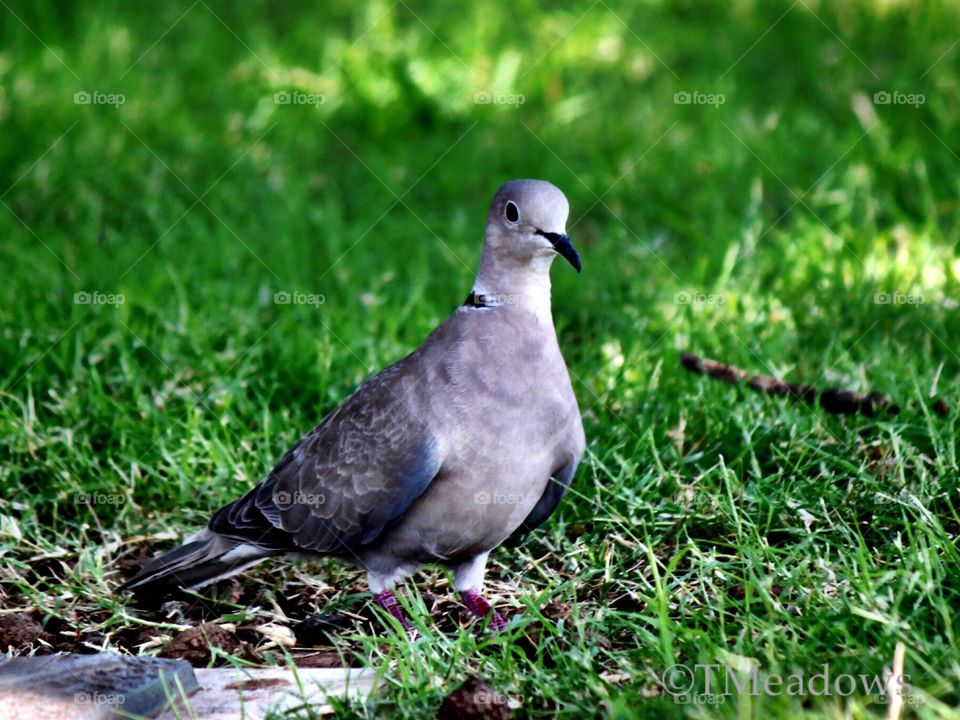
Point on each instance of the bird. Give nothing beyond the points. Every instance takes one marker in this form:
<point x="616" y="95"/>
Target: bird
<point x="470" y="440"/>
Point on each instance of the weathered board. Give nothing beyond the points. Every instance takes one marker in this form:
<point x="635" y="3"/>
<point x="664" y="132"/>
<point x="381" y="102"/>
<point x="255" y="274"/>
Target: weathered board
<point x="229" y="694"/>
<point x="106" y="686"/>
<point x="90" y="686"/>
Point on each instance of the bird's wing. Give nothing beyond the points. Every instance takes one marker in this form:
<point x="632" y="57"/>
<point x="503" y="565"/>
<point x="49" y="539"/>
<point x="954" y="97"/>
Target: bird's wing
<point x="556" y="488"/>
<point x="347" y="480"/>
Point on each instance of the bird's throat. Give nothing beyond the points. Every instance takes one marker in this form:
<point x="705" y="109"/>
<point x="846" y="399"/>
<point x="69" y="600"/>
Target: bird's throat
<point x="522" y="284"/>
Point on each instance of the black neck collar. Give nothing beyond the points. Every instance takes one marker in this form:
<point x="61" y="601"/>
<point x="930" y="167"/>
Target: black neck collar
<point x="479" y="300"/>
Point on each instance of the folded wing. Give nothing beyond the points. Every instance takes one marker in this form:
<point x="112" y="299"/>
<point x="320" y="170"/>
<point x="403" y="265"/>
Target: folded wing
<point x="345" y="482"/>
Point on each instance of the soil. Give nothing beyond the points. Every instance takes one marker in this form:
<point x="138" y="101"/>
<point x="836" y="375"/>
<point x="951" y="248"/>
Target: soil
<point x="474" y="700"/>
<point x="319" y="638"/>
<point x="19" y="632"/>
<point x="43" y="631"/>
<point x="194" y="644"/>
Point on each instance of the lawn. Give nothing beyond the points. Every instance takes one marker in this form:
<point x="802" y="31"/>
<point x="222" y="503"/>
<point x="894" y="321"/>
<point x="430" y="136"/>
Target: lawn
<point x="217" y="219"/>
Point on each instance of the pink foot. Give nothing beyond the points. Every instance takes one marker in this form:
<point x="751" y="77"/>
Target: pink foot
<point x="480" y="607"/>
<point x="388" y="602"/>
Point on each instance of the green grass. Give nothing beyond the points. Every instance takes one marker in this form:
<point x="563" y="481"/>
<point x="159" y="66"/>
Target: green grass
<point x="706" y="525"/>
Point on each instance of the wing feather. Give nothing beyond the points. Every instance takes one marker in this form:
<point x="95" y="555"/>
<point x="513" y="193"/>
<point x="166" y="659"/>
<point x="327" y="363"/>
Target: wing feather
<point x="347" y="480"/>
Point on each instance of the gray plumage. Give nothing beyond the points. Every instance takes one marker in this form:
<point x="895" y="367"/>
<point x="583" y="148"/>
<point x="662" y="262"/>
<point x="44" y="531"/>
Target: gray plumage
<point x="472" y="438"/>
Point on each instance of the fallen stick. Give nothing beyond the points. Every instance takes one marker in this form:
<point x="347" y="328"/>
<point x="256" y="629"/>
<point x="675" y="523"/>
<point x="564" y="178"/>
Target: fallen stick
<point x="833" y="400"/>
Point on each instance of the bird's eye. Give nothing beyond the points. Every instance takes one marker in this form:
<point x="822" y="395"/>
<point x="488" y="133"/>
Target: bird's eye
<point x="511" y="212"/>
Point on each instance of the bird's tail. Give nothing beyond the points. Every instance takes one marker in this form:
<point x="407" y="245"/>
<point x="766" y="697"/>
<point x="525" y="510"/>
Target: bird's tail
<point x="202" y="559"/>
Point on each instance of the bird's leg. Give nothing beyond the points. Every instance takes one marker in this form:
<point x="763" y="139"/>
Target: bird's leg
<point x="388" y="601"/>
<point x="468" y="580"/>
<point x="478" y="605"/>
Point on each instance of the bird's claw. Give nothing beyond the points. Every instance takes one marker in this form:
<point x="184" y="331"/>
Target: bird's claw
<point x="388" y="601"/>
<point x="480" y="607"/>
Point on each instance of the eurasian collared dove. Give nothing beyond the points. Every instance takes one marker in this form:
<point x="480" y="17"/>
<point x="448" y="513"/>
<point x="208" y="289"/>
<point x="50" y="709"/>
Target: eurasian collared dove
<point x="469" y="440"/>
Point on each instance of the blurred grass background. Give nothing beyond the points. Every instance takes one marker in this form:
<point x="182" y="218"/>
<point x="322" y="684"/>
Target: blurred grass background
<point x="759" y="229"/>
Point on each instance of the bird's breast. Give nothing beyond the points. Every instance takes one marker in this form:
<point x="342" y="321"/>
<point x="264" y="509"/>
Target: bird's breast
<point x="500" y="399"/>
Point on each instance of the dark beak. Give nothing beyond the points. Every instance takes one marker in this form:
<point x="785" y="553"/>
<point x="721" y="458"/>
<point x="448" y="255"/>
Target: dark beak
<point x="563" y="246"/>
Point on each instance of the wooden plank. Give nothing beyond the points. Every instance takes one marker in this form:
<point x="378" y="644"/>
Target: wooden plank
<point x="88" y="686"/>
<point x="231" y="694"/>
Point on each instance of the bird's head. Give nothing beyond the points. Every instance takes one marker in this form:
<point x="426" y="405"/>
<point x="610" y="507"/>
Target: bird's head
<point x="527" y="222"/>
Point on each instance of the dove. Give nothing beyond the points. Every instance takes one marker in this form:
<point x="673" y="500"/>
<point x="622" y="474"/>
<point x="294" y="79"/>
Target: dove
<point x="470" y="440"/>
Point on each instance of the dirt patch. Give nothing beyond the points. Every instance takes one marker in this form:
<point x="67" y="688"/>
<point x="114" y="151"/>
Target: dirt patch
<point x="194" y="644"/>
<point x="474" y="700"/>
<point x="325" y="659"/>
<point x="19" y="631"/>
<point x="321" y="630"/>
<point x="557" y="611"/>
<point x="229" y="617"/>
